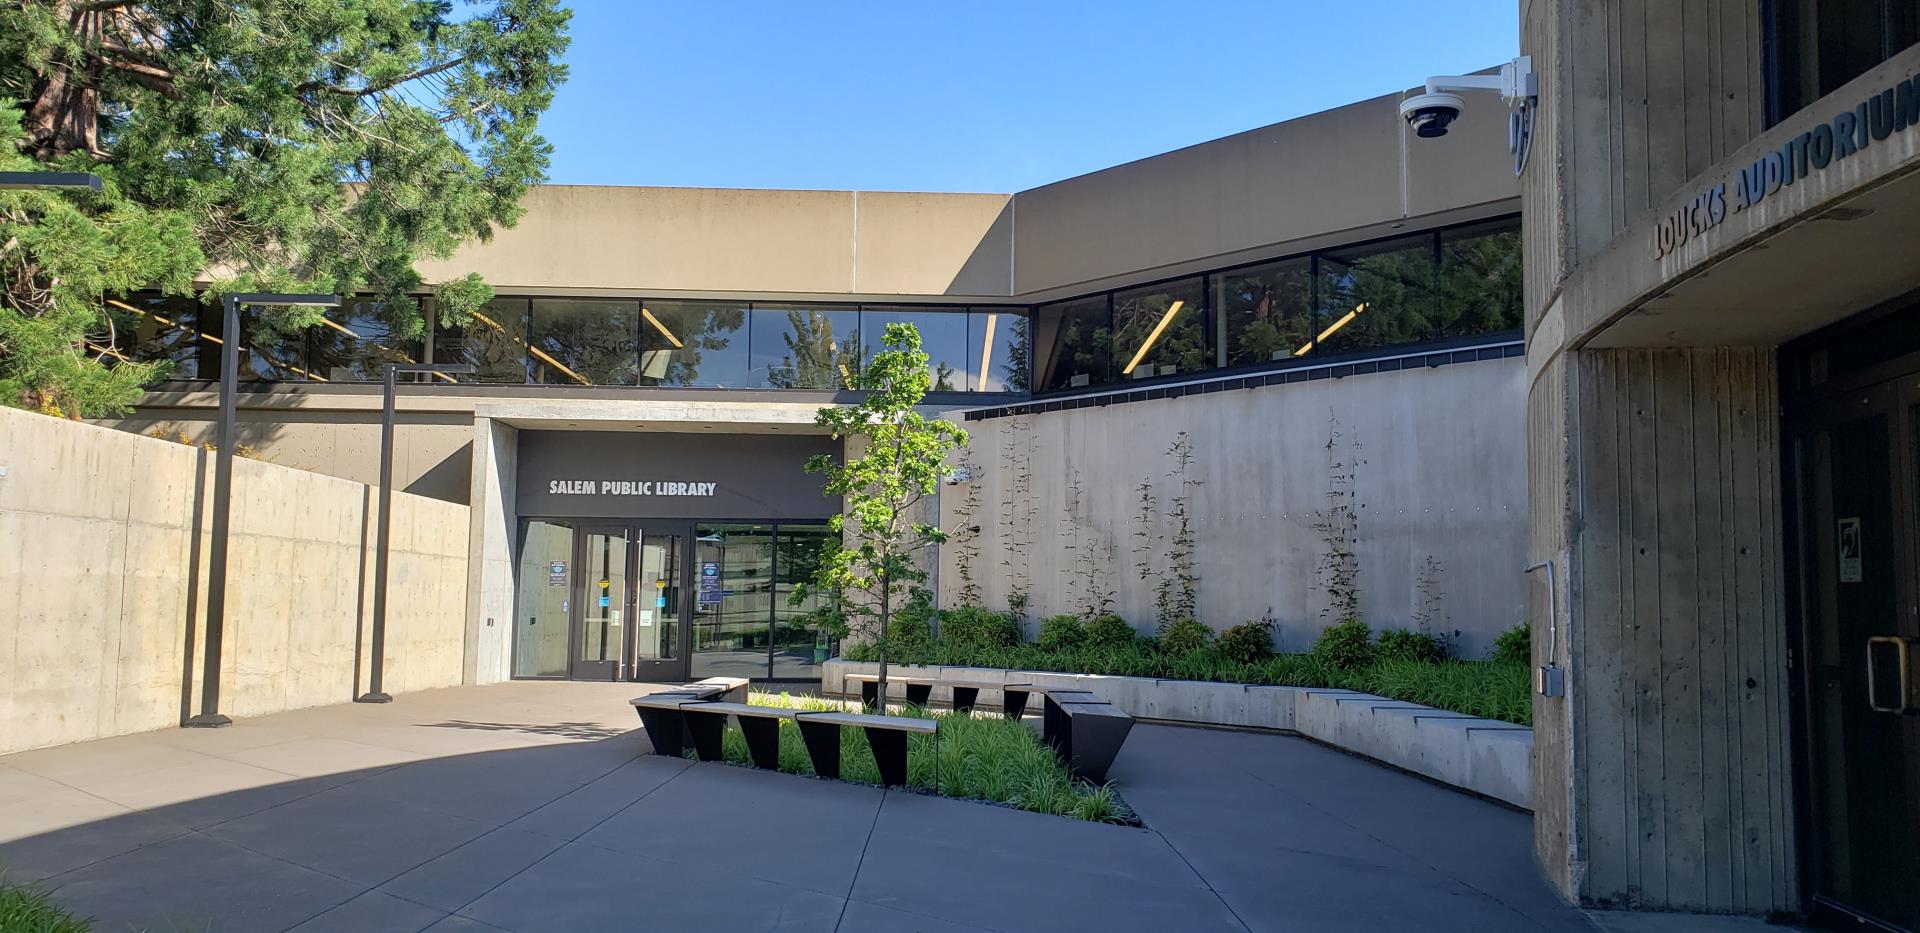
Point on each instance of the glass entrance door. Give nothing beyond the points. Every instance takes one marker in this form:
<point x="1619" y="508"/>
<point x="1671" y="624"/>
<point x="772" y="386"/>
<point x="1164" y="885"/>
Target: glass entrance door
<point x="603" y="602"/>
<point x="1862" y="534"/>
<point x="658" y="638"/>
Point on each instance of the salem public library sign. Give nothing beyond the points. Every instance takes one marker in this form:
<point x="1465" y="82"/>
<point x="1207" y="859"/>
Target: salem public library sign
<point x="1893" y="110"/>
<point x="619" y="474"/>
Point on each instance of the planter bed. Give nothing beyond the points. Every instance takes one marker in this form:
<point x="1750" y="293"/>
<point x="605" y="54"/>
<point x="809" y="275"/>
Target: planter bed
<point x="1485" y="756"/>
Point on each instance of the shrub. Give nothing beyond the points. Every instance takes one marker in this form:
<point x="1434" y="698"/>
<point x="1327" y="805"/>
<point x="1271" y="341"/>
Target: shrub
<point x="1345" y="645"/>
<point x="29" y="909"/>
<point x="1398" y="644"/>
<point x="1061" y="632"/>
<point x="978" y="627"/>
<point x="1109" y="632"/>
<point x="1185" y="636"/>
<point x="1515" y="645"/>
<point x="1248" y="642"/>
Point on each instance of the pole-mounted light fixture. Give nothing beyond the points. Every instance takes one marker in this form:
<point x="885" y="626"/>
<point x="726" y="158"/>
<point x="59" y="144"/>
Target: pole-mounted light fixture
<point x="377" y="666"/>
<point x="210" y="716"/>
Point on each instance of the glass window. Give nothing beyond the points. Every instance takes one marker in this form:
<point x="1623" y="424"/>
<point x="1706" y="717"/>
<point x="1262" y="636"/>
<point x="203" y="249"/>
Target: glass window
<point x="943" y="337"/>
<point x="694" y="343"/>
<point x="805" y="346"/>
<point x="1380" y="295"/>
<point x="799" y="646"/>
<point x="355" y="341"/>
<point x="1479" y="280"/>
<point x="732" y="614"/>
<point x="1265" y="312"/>
<point x="1076" y="344"/>
<point x="585" y="341"/>
<point x="149" y="327"/>
<point x="1822" y="44"/>
<point x="1160" y="330"/>
<point x="546" y="585"/>
<point x="274" y="348"/>
<point x="998" y="347"/>
<point x="494" y="343"/>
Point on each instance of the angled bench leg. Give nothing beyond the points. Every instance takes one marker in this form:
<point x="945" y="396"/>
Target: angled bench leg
<point x="919" y="694"/>
<point x="706" y="730"/>
<point x="1014" y="703"/>
<point x="823" y="747"/>
<point x="663" y="730"/>
<point x="763" y="741"/>
<point x="1097" y="743"/>
<point x="890" y="755"/>
<point x="965" y="697"/>
<point x="869" y="693"/>
<point x="1053" y="726"/>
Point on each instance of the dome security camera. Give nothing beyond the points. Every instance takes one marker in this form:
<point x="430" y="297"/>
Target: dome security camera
<point x="1431" y="113"/>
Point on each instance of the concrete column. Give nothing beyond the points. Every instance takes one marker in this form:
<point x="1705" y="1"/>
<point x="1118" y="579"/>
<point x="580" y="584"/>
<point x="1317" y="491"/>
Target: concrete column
<point x="1663" y="778"/>
<point x="490" y="560"/>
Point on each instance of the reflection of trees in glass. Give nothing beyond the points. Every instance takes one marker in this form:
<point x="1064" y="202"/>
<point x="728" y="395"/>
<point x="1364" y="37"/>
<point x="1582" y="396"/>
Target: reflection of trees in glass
<point x="700" y="331"/>
<point x="1395" y="285"/>
<point x="1014" y="370"/>
<point x="1082" y="344"/>
<point x="1182" y="343"/>
<point x="596" y="341"/>
<point x="1267" y="312"/>
<point x="814" y="359"/>
<point x="1479" y="284"/>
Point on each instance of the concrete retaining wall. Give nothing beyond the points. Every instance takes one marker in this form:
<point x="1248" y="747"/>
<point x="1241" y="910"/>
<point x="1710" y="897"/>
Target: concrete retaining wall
<point x="1427" y="484"/>
<point x="103" y="575"/>
<point x="1485" y="756"/>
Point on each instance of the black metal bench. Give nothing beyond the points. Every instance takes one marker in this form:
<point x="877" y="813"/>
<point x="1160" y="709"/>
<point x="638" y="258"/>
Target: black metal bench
<point x="660" y="716"/>
<point x="919" y="689"/>
<point x="886" y="737"/>
<point x="706" y="724"/>
<point x="1088" y="733"/>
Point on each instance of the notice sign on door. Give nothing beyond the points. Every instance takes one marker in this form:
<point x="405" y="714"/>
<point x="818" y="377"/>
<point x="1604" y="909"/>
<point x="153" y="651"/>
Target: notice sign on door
<point x="557" y="573"/>
<point x="710" y="581"/>
<point x="1850" y="545"/>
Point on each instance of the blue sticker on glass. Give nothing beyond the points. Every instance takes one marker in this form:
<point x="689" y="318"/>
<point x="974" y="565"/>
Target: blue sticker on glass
<point x="606" y="601"/>
<point x="660" y="602"/>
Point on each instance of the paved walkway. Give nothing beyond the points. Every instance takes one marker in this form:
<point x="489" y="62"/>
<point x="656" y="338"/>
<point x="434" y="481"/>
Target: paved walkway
<point x="535" y="807"/>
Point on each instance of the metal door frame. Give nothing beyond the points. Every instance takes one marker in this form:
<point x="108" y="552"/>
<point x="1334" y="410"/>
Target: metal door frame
<point x="583" y="590"/>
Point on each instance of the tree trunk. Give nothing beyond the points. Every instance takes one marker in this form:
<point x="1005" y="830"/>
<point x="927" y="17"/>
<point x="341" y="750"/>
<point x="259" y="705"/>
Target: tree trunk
<point x="886" y="604"/>
<point x="63" y="117"/>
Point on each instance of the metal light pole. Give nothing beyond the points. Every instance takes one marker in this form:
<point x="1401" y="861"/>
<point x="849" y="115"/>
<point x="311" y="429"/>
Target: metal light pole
<point x="374" y="694"/>
<point x="35" y="181"/>
<point x="210" y="717"/>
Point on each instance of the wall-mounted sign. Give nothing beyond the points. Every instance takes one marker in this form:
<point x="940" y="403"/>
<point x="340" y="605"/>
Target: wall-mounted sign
<point x="1850" y="546"/>
<point x="609" y="487"/>
<point x="557" y="573"/>
<point x="1895" y="109"/>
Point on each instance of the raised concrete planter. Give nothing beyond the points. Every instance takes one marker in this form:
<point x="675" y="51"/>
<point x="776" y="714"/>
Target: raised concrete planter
<point x="1485" y="756"/>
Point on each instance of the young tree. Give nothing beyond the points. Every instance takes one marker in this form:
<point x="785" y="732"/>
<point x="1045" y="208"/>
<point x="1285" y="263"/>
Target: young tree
<point x="902" y="458"/>
<point x="277" y="145"/>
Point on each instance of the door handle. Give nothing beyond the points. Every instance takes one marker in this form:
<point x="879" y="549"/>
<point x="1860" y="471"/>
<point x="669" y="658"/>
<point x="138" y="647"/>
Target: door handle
<point x="1903" y="663"/>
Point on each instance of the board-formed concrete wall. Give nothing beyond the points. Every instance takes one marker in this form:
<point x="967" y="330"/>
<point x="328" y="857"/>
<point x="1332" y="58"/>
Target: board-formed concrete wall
<point x="103" y="576"/>
<point x="1427" y="482"/>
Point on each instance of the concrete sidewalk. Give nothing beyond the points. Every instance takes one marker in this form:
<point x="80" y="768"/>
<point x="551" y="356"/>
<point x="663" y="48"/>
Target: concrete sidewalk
<point x="536" y="807"/>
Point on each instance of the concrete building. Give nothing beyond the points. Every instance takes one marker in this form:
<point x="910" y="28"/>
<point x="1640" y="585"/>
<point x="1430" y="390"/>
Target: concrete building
<point x="632" y="440"/>
<point x="1721" y="268"/>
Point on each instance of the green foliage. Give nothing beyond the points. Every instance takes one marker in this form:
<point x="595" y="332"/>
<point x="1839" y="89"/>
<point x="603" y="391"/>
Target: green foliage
<point x="1247" y="642"/>
<point x="1493" y="689"/>
<point x="978" y="626"/>
<point x="903" y="459"/>
<point x="1107" y="632"/>
<point x="290" y="147"/>
<point x="27" y="910"/>
<point x="980" y="757"/>
<point x="1184" y="636"/>
<point x="1346" y="645"/>
<point x="1398" y="644"/>
<point x="1062" y="632"/>
<point x="1514" y="646"/>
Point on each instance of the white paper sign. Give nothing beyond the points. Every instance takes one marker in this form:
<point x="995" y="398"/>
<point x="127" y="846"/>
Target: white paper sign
<point x="1850" y="546"/>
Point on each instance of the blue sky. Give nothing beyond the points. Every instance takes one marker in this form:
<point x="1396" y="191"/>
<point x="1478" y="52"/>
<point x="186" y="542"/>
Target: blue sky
<point x="971" y="95"/>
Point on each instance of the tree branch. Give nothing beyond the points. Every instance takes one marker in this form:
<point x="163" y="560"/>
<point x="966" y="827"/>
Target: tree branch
<point x="386" y="85"/>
